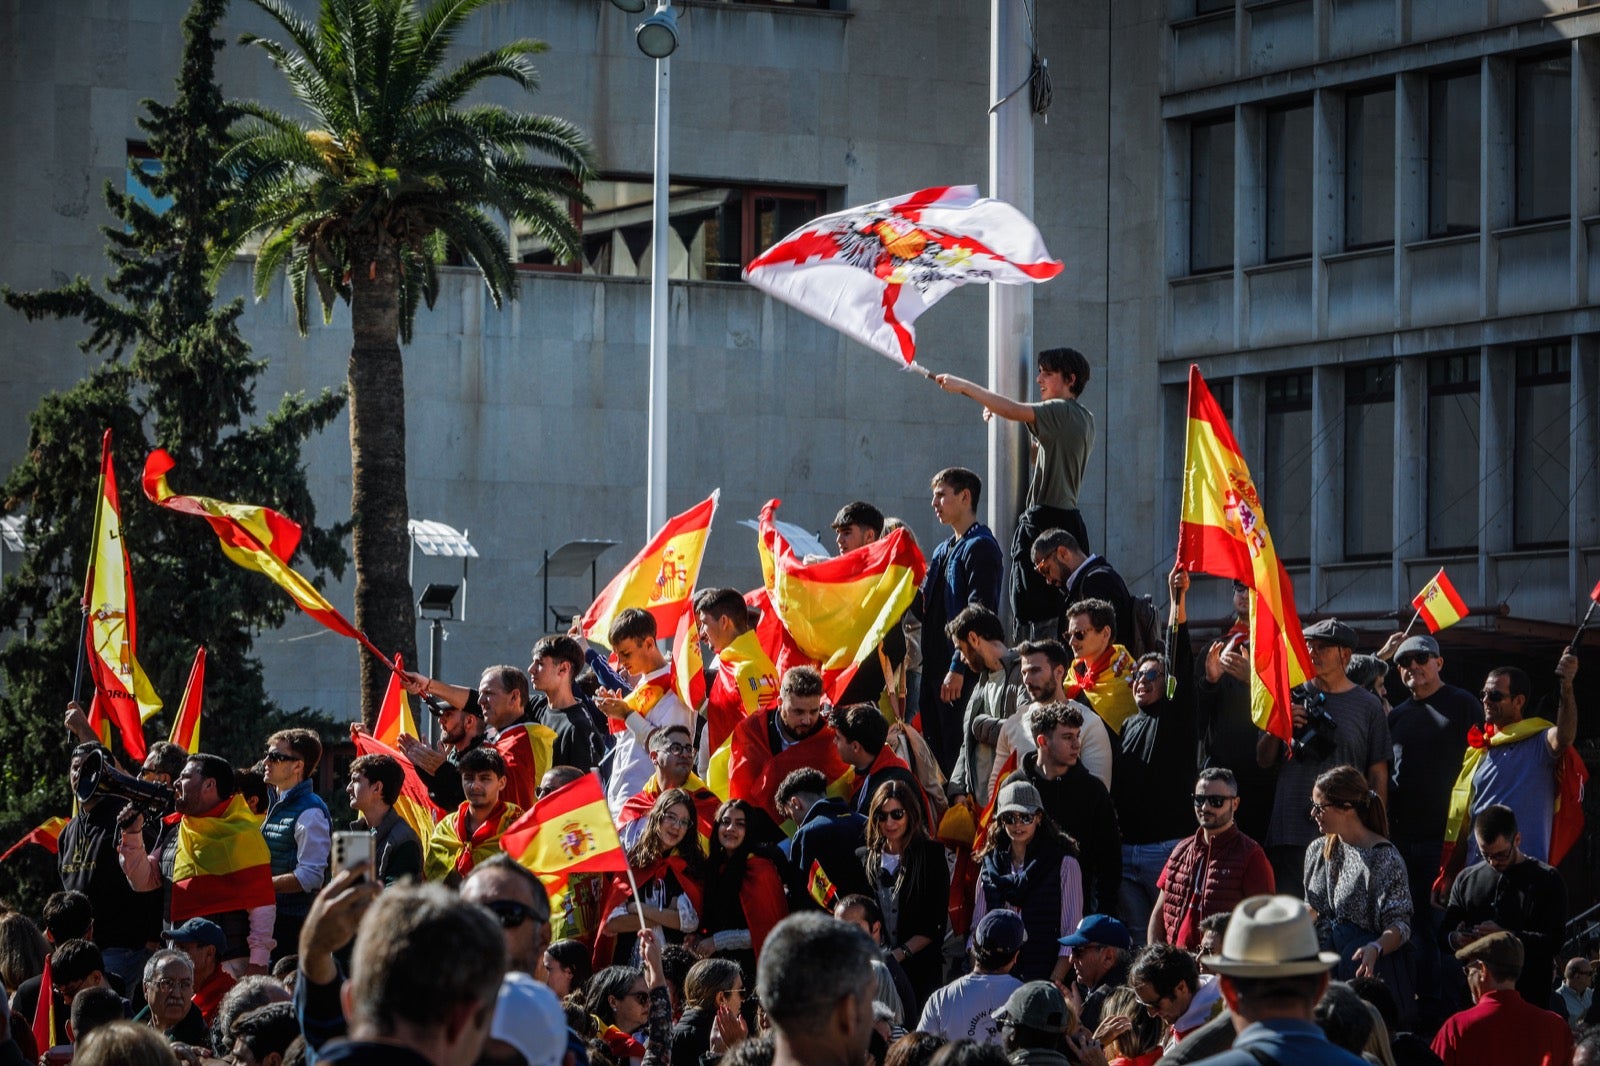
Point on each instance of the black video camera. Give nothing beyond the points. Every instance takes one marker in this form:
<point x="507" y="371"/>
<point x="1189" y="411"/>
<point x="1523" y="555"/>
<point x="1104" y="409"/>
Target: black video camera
<point x="1315" y="740"/>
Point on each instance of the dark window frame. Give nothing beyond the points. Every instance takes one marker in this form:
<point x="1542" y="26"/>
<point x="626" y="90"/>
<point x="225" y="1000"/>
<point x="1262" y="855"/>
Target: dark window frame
<point x="1394" y="99"/>
<point x="1469" y="383"/>
<point x="1560" y="373"/>
<point x="1360" y="391"/>
<point x="1279" y="400"/>
<point x="1435" y="137"/>
<point x="1306" y="105"/>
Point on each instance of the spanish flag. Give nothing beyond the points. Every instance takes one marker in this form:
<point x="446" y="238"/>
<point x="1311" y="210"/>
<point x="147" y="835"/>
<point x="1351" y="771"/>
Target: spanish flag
<point x="413" y="803"/>
<point x="44" y="1011"/>
<point x="838" y="610"/>
<point x="688" y="664"/>
<point x="119" y="680"/>
<point x="222" y="862"/>
<point x="567" y="832"/>
<point x="47" y="835"/>
<point x="746" y="682"/>
<point x="660" y="579"/>
<point x="186" y="726"/>
<point x="1223" y="531"/>
<point x="395" y="716"/>
<point x="1439" y="604"/>
<point x="256" y="538"/>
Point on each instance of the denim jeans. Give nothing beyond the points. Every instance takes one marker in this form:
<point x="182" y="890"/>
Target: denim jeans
<point x="1136" y="897"/>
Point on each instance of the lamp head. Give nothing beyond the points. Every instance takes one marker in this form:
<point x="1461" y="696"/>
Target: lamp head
<point x="632" y="7"/>
<point x="658" y="35"/>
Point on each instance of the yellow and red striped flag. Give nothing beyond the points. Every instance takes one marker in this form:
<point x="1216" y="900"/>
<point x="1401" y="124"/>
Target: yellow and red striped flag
<point x="837" y="611"/>
<point x="395" y="716"/>
<point x="570" y="831"/>
<point x="688" y="663"/>
<point x="186" y="726"/>
<point x="128" y="698"/>
<point x="46" y="834"/>
<point x="1439" y="604"/>
<point x="1223" y="531"/>
<point x="660" y="579"/>
<point x="413" y="804"/>
<point x="222" y="862"/>
<point x="256" y="538"/>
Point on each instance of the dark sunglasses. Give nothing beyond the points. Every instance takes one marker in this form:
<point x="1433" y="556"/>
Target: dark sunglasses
<point x="1414" y="659"/>
<point x="886" y="816"/>
<point x="1318" y="808"/>
<point x="281" y="756"/>
<point x="512" y="914"/>
<point x="1148" y="675"/>
<point x="1214" y="802"/>
<point x="1494" y="695"/>
<point x="1015" y="818"/>
<point x="641" y="998"/>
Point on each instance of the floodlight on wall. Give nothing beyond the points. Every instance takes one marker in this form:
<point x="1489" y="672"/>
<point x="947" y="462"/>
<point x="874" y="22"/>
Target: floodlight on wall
<point x="658" y="34"/>
<point x="438" y="601"/>
<point x="632" y="7"/>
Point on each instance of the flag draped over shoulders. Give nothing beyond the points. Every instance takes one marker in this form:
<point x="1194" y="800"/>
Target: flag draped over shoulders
<point x="755" y="769"/>
<point x="222" y="863"/>
<point x="1223" y="531"/>
<point x="453" y="850"/>
<point x="746" y="682"/>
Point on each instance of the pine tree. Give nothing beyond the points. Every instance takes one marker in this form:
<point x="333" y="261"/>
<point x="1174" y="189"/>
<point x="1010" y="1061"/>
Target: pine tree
<point x="178" y="375"/>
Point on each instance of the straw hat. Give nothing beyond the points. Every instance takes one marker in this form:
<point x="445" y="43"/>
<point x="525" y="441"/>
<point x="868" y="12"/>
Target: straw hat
<point x="1271" y="936"/>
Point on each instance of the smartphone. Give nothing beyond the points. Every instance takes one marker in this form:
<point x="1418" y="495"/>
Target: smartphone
<point x="351" y="848"/>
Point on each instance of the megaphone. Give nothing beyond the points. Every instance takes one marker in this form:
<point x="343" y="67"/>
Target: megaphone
<point x="98" y="777"/>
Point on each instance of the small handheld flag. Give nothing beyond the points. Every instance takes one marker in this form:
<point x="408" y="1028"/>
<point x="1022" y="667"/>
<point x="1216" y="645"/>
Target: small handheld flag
<point x="186" y="726"/>
<point x="1439" y="605"/>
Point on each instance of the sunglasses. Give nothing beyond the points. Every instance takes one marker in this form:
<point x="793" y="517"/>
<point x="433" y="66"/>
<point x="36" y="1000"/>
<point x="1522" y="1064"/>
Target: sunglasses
<point x="281" y="756"/>
<point x="1214" y="802"/>
<point x="1015" y="818"/>
<point x="896" y="815"/>
<point x="1318" y="808"/>
<point x="512" y="914"/>
<point x="641" y="998"/>
<point x="1414" y="659"/>
<point x="1492" y="695"/>
<point x="1076" y="635"/>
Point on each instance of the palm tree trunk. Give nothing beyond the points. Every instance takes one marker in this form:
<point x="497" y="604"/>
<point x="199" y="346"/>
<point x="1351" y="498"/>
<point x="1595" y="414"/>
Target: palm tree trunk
<point x="378" y="507"/>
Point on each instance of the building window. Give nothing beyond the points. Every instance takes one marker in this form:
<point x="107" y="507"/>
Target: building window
<point x="1454" y="122"/>
<point x="1210" y="196"/>
<point x="1222" y="392"/>
<point x="1453" y="468"/>
<point x="1542" y="441"/>
<point x="1289" y="157"/>
<point x="1286" y="487"/>
<point x="142" y="161"/>
<point x="1544" y="131"/>
<point x="713" y="231"/>
<point x="1207" y="7"/>
<point x="1368" y="448"/>
<point x="1369" y="169"/>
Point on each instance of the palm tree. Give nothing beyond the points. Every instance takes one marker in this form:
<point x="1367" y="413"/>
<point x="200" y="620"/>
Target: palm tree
<point x="363" y="196"/>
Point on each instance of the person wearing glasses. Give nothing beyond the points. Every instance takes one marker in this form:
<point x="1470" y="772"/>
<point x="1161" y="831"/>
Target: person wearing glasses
<point x="1101" y="668"/>
<point x="906" y="870"/>
<point x="521" y="906"/>
<point x="1028" y="865"/>
<point x="1063" y="562"/>
<point x="1509" y="890"/>
<point x="1500" y="1026"/>
<point x="1523" y="762"/>
<point x="1211" y="871"/>
<point x="671" y="751"/>
<point x="1155" y="764"/>
<point x="1356" y="886"/>
<point x="298" y="829"/>
<point x="744" y="889"/>
<point x="669" y="866"/>
<point x="713" y="995"/>
<point x="169" y="999"/>
<point x="1576" y="994"/>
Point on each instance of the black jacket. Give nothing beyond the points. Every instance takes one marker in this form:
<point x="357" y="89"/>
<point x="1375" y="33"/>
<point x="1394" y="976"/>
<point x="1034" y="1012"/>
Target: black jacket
<point x="1081" y="806"/>
<point x="829" y="835"/>
<point x="1099" y="580"/>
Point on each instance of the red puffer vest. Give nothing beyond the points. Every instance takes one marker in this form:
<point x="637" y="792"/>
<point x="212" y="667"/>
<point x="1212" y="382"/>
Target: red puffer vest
<point x="1222" y="887"/>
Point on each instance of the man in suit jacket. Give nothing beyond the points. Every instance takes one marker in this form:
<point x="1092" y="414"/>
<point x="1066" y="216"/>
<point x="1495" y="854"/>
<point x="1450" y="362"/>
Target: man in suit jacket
<point x="826" y="842"/>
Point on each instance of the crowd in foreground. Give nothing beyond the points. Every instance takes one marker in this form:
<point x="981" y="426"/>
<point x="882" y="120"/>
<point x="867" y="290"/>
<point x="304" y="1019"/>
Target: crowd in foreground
<point x="1069" y="843"/>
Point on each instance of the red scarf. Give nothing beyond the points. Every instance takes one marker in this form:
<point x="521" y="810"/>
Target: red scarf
<point x="1086" y="674"/>
<point x="619" y="892"/>
<point x="487" y="830"/>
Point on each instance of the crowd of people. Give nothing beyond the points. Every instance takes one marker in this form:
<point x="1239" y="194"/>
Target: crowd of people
<point x="1065" y="843"/>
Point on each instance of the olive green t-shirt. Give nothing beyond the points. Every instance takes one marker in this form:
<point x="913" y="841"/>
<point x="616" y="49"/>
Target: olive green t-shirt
<point x="1064" y="429"/>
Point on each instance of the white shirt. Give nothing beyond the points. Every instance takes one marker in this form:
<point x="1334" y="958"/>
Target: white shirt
<point x="964" y="1008"/>
<point x="630" y="762"/>
<point x="1094" y="738"/>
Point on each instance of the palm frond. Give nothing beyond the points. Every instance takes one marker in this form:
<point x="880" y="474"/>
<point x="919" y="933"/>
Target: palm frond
<point x="509" y="61"/>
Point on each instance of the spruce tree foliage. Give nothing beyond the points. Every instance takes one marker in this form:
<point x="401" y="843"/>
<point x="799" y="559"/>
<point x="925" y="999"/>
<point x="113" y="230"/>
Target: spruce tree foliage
<point x="360" y="199"/>
<point x="178" y="375"/>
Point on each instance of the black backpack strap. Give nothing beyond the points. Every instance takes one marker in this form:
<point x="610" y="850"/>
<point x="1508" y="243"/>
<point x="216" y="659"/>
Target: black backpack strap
<point x="1261" y="1056"/>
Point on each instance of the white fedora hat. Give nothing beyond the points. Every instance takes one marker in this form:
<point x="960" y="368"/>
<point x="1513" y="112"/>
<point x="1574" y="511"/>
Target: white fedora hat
<point x="1271" y="936"/>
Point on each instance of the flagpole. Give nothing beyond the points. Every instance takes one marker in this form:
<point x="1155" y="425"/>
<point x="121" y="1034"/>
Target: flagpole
<point x="1407" y="631"/>
<point x="1583" y="625"/>
<point x="88" y="577"/>
<point x="638" y="904"/>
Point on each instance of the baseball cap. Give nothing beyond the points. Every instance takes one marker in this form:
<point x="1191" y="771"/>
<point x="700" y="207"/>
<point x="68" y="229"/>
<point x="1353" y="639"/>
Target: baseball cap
<point x="1000" y="931"/>
<point x="1020" y="797"/>
<point x="1421" y="644"/>
<point x="197" y="931"/>
<point x="1099" y="929"/>
<point x="528" y="1016"/>
<point x="1036" y="1005"/>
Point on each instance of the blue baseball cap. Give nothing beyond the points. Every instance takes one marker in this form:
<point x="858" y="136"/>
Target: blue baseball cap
<point x="198" y="931"/>
<point x="1099" y="929"/>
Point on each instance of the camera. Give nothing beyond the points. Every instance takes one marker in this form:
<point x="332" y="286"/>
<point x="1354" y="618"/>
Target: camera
<point x="1315" y="740"/>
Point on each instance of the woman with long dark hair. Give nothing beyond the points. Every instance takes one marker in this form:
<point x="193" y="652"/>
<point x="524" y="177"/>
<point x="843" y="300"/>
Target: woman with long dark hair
<point x="626" y="1003"/>
<point x="744" y="890"/>
<point x="907" y="871"/>
<point x="1356" y="885"/>
<point x="668" y="866"/>
<point x="1030" y="866"/>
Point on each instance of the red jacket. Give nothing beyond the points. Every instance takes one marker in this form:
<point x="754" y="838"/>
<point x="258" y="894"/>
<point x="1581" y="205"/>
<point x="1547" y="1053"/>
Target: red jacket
<point x="1234" y="869"/>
